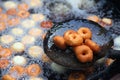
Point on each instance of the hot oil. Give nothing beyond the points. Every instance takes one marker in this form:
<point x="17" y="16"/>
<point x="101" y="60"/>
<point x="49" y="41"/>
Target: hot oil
<point x="73" y="9"/>
<point x="18" y="38"/>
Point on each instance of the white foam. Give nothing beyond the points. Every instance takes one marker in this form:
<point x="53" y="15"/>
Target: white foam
<point x="36" y="51"/>
<point x="34" y="3"/>
<point x="58" y="68"/>
<point x="117" y="43"/>
<point x="75" y="3"/>
<point x="9" y="4"/>
<point x="28" y="23"/>
<point x="81" y="4"/>
<point x="19" y="60"/>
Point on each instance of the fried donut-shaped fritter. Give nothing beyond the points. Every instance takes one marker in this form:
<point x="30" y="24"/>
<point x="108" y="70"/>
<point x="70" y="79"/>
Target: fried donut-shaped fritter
<point x="83" y="53"/>
<point x="5" y="52"/>
<point x="23" y="14"/>
<point x="19" y="70"/>
<point x="11" y="11"/>
<point x="59" y="42"/>
<point x="4" y="63"/>
<point x="7" y="77"/>
<point x="94" y="46"/>
<point x="33" y="70"/>
<point x="85" y="32"/>
<point x="94" y="18"/>
<point x="72" y="38"/>
<point x="23" y="6"/>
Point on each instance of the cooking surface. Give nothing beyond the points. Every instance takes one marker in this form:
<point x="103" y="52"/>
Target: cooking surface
<point x="54" y="14"/>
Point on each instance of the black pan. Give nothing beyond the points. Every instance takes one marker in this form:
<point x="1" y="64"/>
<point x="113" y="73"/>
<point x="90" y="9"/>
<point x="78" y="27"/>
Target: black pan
<point x="66" y="57"/>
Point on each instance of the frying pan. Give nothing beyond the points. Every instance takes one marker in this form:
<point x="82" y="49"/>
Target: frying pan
<point x="66" y="57"/>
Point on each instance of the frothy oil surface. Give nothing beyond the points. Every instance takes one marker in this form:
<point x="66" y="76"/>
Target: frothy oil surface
<point x="44" y="10"/>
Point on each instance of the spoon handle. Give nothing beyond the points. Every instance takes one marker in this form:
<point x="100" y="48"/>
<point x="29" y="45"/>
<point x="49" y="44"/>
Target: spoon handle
<point x="108" y="73"/>
<point x="114" y="54"/>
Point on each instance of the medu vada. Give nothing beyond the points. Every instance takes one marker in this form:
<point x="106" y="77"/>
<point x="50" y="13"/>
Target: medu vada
<point x="7" y="77"/>
<point x="18" y="70"/>
<point x="13" y="21"/>
<point x="85" y="32"/>
<point x="33" y="70"/>
<point x="94" y="46"/>
<point x="46" y="24"/>
<point x="3" y="17"/>
<point x="59" y="42"/>
<point x="23" y="6"/>
<point x="83" y="53"/>
<point x="72" y="38"/>
<point x="5" y="52"/>
<point x="107" y="21"/>
<point x="4" y="63"/>
<point x="11" y="11"/>
<point x="23" y="14"/>
<point x="94" y="18"/>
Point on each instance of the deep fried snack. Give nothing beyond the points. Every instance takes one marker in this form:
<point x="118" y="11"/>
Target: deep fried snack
<point x="35" y="32"/>
<point x="19" y="70"/>
<point x="94" y="18"/>
<point x="23" y="14"/>
<point x="7" y="77"/>
<point x="83" y="53"/>
<point x="13" y="21"/>
<point x="23" y="6"/>
<point x="34" y="70"/>
<point x="46" y="24"/>
<point x="3" y="17"/>
<point x="11" y="11"/>
<point x="107" y="21"/>
<point x="59" y="42"/>
<point x="94" y="46"/>
<point x="4" y="63"/>
<point x="72" y="38"/>
<point x="5" y="52"/>
<point x="85" y="32"/>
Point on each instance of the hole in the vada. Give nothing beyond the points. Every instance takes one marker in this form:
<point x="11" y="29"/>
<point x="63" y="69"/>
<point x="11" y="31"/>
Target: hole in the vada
<point x="83" y="53"/>
<point x="23" y="14"/>
<point x="84" y="32"/>
<point x="74" y="37"/>
<point x="33" y="70"/>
